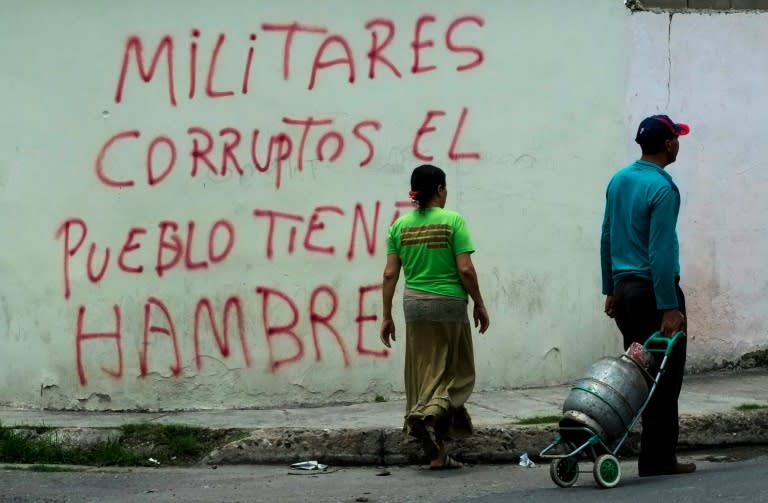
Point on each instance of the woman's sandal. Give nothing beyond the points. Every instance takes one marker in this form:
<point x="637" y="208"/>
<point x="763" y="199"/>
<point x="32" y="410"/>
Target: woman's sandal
<point x="448" y="464"/>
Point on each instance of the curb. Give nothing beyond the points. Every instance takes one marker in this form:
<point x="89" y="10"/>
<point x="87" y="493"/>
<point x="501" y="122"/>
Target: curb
<point x="489" y="444"/>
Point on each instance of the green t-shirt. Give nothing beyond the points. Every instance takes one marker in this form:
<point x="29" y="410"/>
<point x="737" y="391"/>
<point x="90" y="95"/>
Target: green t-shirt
<point x="427" y="243"/>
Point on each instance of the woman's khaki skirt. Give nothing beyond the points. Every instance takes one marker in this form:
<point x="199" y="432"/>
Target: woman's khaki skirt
<point x="439" y="364"/>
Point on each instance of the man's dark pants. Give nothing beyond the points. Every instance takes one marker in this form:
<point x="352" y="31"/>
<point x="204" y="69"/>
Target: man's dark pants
<point x="637" y="318"/>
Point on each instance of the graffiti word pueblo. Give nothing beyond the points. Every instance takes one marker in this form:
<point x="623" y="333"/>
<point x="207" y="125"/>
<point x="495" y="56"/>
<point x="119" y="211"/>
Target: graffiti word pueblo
<point x="190" y="247"/>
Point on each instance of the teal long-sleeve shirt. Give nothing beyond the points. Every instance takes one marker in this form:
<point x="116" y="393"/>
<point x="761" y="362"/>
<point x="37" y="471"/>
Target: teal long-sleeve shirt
<point x="639" y="235"/>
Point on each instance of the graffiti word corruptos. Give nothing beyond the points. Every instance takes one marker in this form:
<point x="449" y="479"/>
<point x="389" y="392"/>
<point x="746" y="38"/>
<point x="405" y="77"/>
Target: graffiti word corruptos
<point x="239" y="151"/>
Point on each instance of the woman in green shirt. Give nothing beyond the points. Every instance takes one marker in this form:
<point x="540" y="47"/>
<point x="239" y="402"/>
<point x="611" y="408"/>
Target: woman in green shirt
<point x="433" y="247"/>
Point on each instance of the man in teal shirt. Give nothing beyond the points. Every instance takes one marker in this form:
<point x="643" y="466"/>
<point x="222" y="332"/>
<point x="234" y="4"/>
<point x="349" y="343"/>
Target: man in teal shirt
<point x="640" y="257"/>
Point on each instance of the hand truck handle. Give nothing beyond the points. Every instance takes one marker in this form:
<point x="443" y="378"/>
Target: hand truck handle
<point x="662" y="344"/>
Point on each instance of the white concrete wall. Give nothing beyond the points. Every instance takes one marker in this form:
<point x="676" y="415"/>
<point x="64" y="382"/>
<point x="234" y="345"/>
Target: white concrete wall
<point x="545" y="113"/>
<point x="710" y="71"/>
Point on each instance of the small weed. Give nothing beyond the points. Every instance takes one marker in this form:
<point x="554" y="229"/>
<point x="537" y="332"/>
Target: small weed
<point x="540" y="420"/>
<point x="112" y="454"/>
<point x="171" y="442"/>
<point x="380" y="398"/>
<point x="751" y="406"/>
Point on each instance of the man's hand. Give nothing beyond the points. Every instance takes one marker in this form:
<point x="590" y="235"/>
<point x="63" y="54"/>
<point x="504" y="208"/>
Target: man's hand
<point x="672" y="322"/>
<point x="480" y="314"/>
<point x="387" y="332"/>
<point x="609" y="310"/>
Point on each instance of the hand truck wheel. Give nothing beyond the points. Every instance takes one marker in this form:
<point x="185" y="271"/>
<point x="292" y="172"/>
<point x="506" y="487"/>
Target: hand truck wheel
<point x="607" y="471"/>
<point x="564" y="471"/>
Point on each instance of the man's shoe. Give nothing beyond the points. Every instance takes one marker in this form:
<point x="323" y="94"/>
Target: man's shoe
<point x="675" y="469"/>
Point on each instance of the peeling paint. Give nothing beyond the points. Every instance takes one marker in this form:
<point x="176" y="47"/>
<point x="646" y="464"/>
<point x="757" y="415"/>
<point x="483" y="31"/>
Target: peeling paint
<point x="99" y="397"/>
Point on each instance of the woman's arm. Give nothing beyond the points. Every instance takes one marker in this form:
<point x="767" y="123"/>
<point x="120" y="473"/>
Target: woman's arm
<point x="389" y="283"/>
<point x="469" y="280"/>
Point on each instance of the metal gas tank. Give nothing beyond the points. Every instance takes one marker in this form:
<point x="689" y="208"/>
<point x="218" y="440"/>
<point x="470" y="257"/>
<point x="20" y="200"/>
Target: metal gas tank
<point x="607" y="399"/>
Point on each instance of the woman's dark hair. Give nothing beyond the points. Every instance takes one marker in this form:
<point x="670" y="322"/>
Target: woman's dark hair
<point x="425" y="180"/>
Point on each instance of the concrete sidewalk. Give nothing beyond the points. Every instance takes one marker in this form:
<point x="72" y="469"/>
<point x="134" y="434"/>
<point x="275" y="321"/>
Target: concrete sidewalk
<point x="371" y="433"/>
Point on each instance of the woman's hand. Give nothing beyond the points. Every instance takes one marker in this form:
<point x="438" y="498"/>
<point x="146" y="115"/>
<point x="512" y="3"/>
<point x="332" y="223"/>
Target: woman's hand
<point x="387" y="332"/>
<point x="480" y="314"/>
